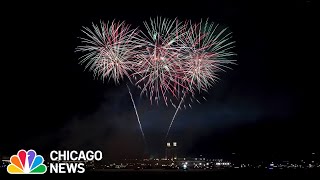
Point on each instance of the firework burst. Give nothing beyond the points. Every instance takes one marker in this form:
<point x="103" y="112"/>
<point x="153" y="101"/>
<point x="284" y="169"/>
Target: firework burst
<point x="173" y="62"/>
<point x="158" y="60"/>
<point x="108" y="50"/>
<point x="178" y="58"/>
<point x="206" y="51"/>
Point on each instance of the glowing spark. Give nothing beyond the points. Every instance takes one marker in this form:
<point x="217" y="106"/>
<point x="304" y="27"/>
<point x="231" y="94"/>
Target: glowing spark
<point x="134" y="105"/>
<point x="174" y="116"/>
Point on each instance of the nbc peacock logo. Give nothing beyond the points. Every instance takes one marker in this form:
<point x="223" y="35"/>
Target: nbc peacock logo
<point x="26" y="162"/>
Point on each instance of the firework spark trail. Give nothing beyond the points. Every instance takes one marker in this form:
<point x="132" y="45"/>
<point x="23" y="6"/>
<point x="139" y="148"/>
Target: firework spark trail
<point x="175" y="115"/>
<point x="134" y="105"/>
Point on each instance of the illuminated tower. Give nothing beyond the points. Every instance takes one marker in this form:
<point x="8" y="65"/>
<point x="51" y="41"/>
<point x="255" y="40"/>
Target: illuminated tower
<point x="168" y="151"/>
<point x="174" y="150"/>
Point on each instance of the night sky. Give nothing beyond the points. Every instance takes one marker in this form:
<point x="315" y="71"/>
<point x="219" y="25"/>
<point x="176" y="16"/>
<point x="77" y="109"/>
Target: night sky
<point x="265" y="105"/>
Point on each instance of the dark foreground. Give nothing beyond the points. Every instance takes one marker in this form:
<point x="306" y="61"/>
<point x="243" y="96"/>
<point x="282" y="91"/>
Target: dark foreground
<point x="230" y="173"/>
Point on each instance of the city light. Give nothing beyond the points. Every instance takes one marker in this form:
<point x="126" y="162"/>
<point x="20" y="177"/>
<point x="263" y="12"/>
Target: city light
<point x="184" y="166"/>
<point x="174" y="162"/>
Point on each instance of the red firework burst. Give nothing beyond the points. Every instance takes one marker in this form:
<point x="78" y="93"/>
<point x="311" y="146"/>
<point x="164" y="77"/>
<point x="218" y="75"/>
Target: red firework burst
<point x="108" y="50"/>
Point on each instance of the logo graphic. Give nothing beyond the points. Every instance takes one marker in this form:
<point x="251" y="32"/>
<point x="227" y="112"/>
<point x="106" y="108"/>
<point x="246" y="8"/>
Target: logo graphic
<point x="26" y="163"/>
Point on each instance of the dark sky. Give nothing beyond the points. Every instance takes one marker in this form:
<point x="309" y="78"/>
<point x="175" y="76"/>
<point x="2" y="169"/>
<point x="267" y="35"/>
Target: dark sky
<point x="263" y="106"/>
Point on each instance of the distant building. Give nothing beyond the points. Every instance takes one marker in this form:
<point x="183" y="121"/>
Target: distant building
<point x="171" y="151"/>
